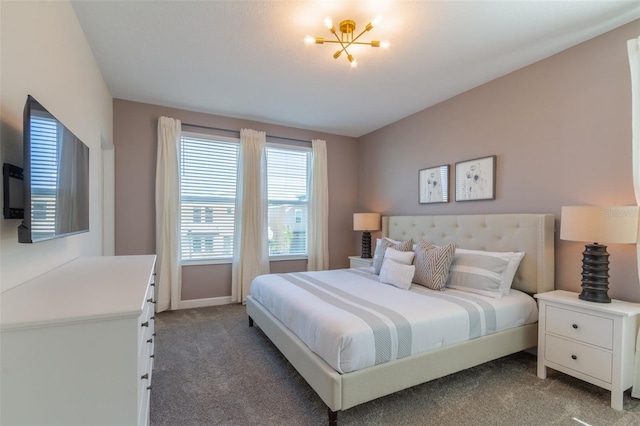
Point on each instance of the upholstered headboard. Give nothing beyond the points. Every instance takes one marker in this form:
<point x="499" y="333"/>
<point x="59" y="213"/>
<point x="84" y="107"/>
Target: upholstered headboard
<point x="530" y="233"/>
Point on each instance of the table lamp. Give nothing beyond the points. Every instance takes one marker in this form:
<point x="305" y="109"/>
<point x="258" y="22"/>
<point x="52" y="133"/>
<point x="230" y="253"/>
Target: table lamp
<point x="617" y="224"/>
<point x="366" y="222"/>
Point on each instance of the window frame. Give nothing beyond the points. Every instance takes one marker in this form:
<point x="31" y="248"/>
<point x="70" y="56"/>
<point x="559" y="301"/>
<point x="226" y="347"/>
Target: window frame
<point x="236" y="140"/>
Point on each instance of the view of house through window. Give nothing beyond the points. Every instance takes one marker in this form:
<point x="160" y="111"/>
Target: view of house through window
<point x="208" y="175"/>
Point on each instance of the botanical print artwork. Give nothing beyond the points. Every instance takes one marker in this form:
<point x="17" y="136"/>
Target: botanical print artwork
<point x="433" y="185"/>
<point x="474" y="185"/>
<point x="433" y="188"/>
<point x="475" y="179"/>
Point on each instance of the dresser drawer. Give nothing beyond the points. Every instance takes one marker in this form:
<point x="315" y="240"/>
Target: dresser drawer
<point x="587" y="360"/>
<point x="576" y="325"/>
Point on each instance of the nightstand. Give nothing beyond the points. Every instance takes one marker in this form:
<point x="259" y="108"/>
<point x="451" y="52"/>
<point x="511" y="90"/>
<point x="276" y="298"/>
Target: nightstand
<point x="359" y="262"/>
<point x="594" y="342"/>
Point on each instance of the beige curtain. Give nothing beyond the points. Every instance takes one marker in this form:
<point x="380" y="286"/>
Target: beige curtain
<point x="251" y="244"/>
<point x="318" y="245"/>
<point x="633" y="47"/>
<point x="168" y="271"/>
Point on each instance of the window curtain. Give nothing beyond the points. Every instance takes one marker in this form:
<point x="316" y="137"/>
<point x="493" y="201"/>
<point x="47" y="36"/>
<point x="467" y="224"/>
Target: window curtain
<point x="251" y="244"/>
<point x="633" y="47"/>
<point x="168" y="271"/>
<point x="318" y="208"/>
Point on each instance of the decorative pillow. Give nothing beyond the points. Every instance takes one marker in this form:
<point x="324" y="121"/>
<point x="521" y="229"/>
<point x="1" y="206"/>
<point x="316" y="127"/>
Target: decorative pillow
<point x="396" y="274"/>
<point x="385" y="243"/>
<point x="402" y="257"/>
<point x="484" y="272"/>
<point x="432" y="264"/>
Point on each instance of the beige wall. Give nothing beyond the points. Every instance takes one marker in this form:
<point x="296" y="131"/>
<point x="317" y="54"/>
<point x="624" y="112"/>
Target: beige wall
<point x="135" y="138"/>
<point x="561" y="130"/>
<point x="45" y="54"/>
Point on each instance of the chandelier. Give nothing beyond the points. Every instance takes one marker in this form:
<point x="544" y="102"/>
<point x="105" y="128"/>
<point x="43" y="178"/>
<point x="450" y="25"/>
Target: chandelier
<point x="347" y="37"/>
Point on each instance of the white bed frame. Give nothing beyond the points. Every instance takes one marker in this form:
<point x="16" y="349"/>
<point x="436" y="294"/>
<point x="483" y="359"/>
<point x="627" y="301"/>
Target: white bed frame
<point x="531" y="233"/>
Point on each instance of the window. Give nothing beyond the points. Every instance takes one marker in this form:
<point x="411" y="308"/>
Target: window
<point x="288" y="190"/>
<point x="208" y="174"/>
<point x="208" y="168"/>
<point x="44" y="153"/>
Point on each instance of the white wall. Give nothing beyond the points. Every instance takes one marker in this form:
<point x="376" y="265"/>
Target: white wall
<point x="45" y="54"/>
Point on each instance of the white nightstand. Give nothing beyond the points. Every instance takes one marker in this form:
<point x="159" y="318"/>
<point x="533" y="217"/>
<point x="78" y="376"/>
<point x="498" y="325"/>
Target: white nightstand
<point x="594" y="342"/>
<point x="359" y="262"/>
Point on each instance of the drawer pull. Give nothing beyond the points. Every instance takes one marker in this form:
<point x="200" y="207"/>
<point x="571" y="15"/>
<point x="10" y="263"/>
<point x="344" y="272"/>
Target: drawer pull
<point x="145" y="376"/>
<point x="152" y="356"/>
<point x="149" y="340"/>
<point x="150" y="301"/>
<point x="575" y="326"/>
<point x="145" y="324"/>
<point x="148" y="387"/>
<point x="573" y="357"/>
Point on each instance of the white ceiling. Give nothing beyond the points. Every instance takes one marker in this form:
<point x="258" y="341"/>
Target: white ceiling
<point x="246" y="59"/>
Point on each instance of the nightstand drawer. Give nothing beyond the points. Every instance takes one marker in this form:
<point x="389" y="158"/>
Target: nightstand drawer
<point x="576" y="325"/>
<point x="359" y="262"/>
<point x="584" y="359"/>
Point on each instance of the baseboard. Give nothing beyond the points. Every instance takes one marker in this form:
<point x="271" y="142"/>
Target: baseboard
<point x="201" y="303"/>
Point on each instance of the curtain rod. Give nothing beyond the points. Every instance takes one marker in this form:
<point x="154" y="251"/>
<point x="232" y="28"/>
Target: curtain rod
<point x="237" y="132"/>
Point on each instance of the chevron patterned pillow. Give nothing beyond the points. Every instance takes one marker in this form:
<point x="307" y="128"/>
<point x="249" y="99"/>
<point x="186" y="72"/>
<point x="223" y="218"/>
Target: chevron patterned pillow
<point x="432" y="264"/>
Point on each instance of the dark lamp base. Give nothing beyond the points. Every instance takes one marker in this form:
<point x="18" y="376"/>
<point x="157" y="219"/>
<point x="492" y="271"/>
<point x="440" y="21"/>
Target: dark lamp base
<point x="595" y="274"/>
<point x="366" y="245"/>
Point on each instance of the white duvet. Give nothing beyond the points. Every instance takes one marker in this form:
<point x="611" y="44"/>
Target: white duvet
<point x="352" y="321"/>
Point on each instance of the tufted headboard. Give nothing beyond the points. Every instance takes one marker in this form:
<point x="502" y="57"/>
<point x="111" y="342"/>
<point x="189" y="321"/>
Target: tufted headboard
<point x="530" y="233"/>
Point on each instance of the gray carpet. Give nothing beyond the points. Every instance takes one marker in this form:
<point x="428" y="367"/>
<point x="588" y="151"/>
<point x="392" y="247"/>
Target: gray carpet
<point x="211" y="368"/>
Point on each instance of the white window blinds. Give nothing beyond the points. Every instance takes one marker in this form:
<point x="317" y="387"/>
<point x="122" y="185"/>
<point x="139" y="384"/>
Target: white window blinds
<point x="44" y="176"/>
<point x="208" y="170"/>
<point x="208" y="174"/>
<point x="288" y="192"/>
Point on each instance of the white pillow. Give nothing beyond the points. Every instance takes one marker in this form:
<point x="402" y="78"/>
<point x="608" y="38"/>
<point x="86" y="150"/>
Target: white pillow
<point x="484" y="272"/>
<point x="403" y="257"/>
<point x="396" y="274"/>
<point x="385" y="243"/>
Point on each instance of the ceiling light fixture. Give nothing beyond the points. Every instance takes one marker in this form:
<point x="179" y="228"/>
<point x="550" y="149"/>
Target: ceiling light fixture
<point x="346" y="39"/>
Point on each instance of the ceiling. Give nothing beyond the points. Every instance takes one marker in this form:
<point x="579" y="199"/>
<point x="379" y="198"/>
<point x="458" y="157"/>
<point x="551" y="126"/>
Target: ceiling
<point x="247" y="59"/>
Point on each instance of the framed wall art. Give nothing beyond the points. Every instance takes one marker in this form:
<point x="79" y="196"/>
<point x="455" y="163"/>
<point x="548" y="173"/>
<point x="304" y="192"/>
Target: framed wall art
<point x="476" y="179"/>
<point x="433" y="184"/>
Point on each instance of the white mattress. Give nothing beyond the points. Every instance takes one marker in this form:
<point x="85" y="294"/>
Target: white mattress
<point x="352" y="321"/>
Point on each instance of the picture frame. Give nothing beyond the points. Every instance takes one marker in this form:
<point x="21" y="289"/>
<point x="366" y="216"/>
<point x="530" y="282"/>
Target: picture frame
<point x="476" y="179"/>
<point x="433" y="185"/>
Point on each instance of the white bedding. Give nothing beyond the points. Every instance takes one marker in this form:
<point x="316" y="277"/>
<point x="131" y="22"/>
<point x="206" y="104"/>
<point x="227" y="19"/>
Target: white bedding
<point x="353" y="321"/>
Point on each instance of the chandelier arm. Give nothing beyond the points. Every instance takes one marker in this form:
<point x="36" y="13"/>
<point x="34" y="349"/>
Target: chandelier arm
<point x="354" y="40"/>
<point x="344" y="48"/>
<point x="368" y="43"/>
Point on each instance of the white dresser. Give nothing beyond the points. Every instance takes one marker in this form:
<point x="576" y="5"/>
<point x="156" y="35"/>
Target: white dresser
<point x="594" y="342"/>
<point x="77" y="344"/>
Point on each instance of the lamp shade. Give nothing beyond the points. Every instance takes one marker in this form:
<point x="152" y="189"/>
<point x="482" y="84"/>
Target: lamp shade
<point x="617" y="224"/>
<point x="366" y="221"/>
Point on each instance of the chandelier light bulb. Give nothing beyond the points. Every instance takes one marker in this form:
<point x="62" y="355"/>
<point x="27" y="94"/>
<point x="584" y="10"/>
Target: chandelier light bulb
<point x="385" y="44"/>
<point x="376" y="21"/>
<point x="328" y="22"/>
<point x="308" y="40"/>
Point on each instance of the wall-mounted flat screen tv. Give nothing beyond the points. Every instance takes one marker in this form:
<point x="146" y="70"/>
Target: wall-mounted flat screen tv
<point x="56" y="178"/>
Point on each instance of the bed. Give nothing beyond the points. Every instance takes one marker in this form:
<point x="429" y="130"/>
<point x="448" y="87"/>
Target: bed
<point x="532" y="234"/>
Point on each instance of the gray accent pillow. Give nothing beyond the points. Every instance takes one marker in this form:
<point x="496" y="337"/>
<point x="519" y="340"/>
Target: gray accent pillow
<point x="484" y="272"/>
<point x="432" y="264"/>
<point x="385" y="243"/>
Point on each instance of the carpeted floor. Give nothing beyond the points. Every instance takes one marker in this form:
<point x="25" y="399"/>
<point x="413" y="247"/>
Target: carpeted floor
<point x="211" y="368"/>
